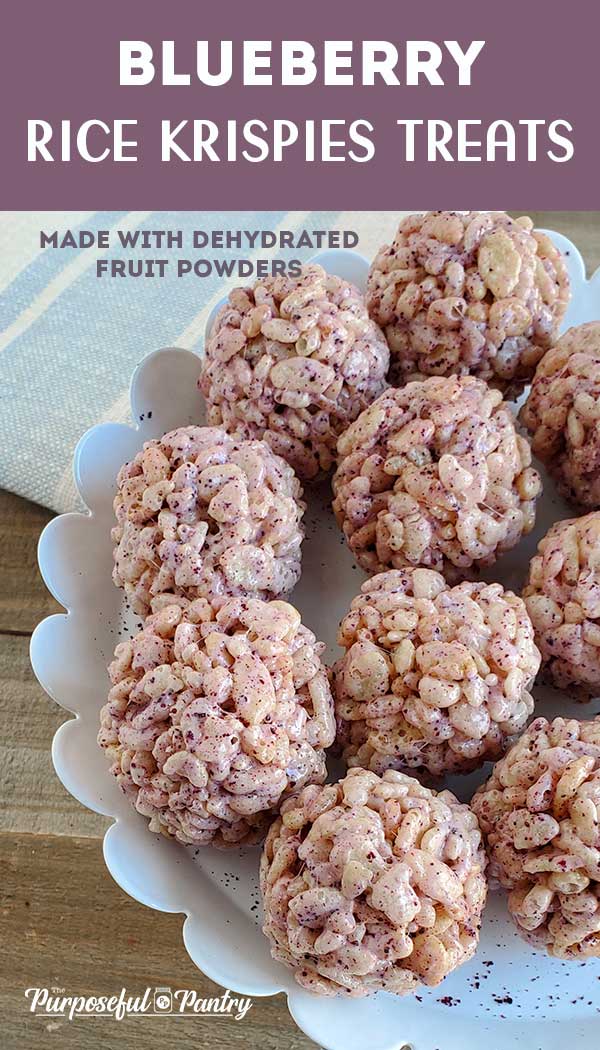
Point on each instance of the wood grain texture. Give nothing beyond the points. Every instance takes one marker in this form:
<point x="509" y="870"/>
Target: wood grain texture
<point x="67" y="924"/>
<point x="24" y="600"/>
<point x="62" y="919"/>
<point x="32" y="798"/>
<point x="581" y="227"/>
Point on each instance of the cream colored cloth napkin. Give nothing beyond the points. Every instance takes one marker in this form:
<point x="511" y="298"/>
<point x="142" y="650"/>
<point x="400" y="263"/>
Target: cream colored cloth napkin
<point x="69" y="341"/>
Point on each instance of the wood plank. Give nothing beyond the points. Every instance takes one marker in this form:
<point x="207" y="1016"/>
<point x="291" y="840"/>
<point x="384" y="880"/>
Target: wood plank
<point x="62" y="919"/>
<point x="23" y="597"/>
<point x="24" y="600"/>
<point x="32" y="799"/>
<point x="581" y="227"/>
<point x="83" y="934"/>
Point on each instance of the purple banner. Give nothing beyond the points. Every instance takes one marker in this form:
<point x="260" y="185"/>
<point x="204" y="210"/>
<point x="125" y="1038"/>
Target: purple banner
<point x="271" y="105"/>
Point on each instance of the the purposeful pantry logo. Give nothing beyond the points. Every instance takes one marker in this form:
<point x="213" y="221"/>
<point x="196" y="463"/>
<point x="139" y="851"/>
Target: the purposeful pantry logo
<point x="154" y="1002"/>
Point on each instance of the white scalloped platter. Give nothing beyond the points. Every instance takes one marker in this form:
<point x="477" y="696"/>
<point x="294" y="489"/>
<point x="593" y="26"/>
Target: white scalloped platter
<point x="508" y="996"/>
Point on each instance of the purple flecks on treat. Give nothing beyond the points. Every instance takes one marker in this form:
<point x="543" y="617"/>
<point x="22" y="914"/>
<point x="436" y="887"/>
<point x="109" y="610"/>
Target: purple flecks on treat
<point x="434" y="474"/>
<point x="202" y="514"/>
<point x="214" y="716"/>
<point x="294" y="360"/>
<point x="562" y="595"/>
<point x="562" y="414"/>
<point x="470" y="292"/>
<point x="434" y="678"/>
<point x="373" y="883"/>
<point x="540" y="812"/>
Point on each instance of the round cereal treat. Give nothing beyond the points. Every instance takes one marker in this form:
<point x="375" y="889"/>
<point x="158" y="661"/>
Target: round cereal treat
<point x="562" y="414"/>
<point x="373" y="883"/>
<point x="468" y="292"/>
<point x="203" y="514"/>
<point x="434" y="474"/>
<point x="293" y="360"/>
<point x="540" y="813"/>
<point x="434" y="679"/>
<point x="215" y="716"/>
<point x="562" y="595"/>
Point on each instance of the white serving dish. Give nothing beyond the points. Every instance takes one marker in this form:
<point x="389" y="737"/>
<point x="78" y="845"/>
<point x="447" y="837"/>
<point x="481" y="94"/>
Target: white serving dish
<point x="508" y="995"/>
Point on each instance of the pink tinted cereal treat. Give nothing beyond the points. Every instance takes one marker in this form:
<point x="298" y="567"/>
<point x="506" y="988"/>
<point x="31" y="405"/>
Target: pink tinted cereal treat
<point x="434" y="679"/>
<point x="472" y="292"/>
<point x="202" y="514"/>
<point x="540" y="812"/>
<point x="562" y="414"/>
<point x="293" y="360"/>
<point x="562" y="595"/>
<point x="215" y="716"/>
<point x="434" y="474"/>
<point x="374" y="883"/>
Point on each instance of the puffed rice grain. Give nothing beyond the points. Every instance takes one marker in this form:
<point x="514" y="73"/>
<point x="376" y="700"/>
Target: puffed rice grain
<point x="562" y="596"/>
<point x="215" y="716"/>
<point x="540" y="813"/>
<point x="293" y="360"/>
<point x="373" y="883"/>
<point x="562" y="414"/>
<point x="434" y="474"/>
<point x="468" y="292"/>
<point x="202" y="514"/>
<point x="434" y="679"/>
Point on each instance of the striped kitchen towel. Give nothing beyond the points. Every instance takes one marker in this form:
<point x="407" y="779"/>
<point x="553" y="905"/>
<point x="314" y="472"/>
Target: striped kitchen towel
<point x="70" y="340"/>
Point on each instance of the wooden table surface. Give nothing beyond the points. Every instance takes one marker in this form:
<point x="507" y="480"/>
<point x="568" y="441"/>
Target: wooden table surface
<point x="63" y="921"/>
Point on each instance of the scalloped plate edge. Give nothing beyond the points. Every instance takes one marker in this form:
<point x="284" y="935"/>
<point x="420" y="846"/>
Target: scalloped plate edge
<point x="350" y="263"/>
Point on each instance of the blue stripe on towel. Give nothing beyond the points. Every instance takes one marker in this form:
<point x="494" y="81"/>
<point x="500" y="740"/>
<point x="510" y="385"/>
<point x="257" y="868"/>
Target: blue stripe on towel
<point x="34" y="277"/>
<point x="63" y="373"/>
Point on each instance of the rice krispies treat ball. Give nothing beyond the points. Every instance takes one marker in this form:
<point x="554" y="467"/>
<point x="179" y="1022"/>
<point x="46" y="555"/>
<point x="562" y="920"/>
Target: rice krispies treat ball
<point x="473" y="292"/>
<point x="434" y="679"/>
<point x="293" y="360"/>
<point x="540" y="812"/>
<point x="434" y="474"/>
<point x="562" y="595"/>
<point x="203" y="514"/>
<point x="373" y="883"/>
<point x="215" y="716"/>
<point x="562" y="414"/>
